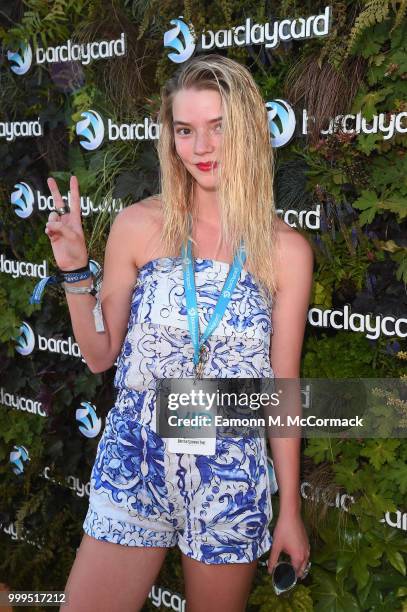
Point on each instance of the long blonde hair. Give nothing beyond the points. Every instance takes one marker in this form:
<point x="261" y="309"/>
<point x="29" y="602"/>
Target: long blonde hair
<point x="245" y="189"/>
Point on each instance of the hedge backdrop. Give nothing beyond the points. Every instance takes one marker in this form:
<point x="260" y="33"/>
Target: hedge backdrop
<point x="344" y="189"/>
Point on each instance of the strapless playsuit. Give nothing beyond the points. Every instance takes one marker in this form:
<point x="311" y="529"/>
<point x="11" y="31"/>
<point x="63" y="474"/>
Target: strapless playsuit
<point x="216" y="508"/>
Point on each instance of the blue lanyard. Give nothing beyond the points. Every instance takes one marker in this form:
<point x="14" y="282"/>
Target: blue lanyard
<point x="223" y="301"/>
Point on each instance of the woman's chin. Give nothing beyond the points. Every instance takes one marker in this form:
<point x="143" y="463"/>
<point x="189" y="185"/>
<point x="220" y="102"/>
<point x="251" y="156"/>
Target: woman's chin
<point x="208" y="185"/>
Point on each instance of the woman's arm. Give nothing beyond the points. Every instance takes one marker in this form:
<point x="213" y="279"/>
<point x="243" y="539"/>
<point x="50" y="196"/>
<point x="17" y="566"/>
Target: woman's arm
<point x="294" y="277"/>
<point x="119" y="274"/>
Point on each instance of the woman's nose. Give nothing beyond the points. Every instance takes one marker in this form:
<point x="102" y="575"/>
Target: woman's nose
<point x="203" y="142"/>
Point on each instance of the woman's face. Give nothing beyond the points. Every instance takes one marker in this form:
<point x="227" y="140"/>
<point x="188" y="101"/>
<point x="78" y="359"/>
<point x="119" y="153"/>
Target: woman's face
<point x="197" y="125"/>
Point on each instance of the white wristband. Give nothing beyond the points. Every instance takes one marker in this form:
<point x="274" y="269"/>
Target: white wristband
<point x="97" y="310"/>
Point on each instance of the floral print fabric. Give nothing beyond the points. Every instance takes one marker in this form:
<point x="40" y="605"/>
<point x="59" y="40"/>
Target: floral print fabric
<point x="217" y="508"/>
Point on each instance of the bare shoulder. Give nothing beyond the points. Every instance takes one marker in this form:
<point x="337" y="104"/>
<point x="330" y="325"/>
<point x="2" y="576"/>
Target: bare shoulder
<point x="294" y="252"/>
<point x="140" y="220"/>
<point x="147" y="211"/>
<point x="139" y="227"/>
<point x="291" y="243"/>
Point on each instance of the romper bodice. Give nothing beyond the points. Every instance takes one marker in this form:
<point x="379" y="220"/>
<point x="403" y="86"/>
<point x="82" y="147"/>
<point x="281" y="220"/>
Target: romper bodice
<point x="158" y="343"/>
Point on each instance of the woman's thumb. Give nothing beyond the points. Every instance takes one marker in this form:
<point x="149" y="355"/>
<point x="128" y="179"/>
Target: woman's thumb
<point x="273" y="558"/>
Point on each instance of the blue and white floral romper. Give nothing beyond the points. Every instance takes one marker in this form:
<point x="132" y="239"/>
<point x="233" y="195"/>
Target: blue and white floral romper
<point x="217" y="508"/>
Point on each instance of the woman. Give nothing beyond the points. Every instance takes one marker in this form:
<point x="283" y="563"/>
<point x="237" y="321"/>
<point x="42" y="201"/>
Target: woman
<point x="216" y="180"/>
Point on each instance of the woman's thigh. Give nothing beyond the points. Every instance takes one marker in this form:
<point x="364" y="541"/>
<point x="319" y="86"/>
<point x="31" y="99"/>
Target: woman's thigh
<point x="111" y="577"/>
<point x="217" y="587"/>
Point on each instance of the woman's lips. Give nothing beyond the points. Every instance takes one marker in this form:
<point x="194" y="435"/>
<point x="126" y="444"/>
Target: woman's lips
<point x="207" y="167"/>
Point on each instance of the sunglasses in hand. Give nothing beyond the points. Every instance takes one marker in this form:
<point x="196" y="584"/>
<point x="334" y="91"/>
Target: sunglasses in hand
<point x="283" y="576"/>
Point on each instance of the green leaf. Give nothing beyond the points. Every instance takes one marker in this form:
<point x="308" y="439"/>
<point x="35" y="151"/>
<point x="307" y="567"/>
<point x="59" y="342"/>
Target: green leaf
<point x="401" y="272"/>
<point x="380" y="451"/>
<point x="366" y="143"/>
<point x="397" y="561"/>
<point x="370" y="203"/>
<point x="366" y="557"/>
<point x="348" y="476"/>
<point x="329" y="594"/>
<point x="402" y="592"/>
<point x="398" y="473"/>
<point x="319" y="449"/>
<point x="369" y="102"/>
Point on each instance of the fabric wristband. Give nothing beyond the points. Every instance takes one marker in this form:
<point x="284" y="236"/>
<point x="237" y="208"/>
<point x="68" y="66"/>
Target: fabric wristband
<point x="71" y="276"/>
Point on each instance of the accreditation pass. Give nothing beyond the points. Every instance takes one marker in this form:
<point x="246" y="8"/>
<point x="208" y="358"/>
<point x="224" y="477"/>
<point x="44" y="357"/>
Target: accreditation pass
<point x="195" y="446"/>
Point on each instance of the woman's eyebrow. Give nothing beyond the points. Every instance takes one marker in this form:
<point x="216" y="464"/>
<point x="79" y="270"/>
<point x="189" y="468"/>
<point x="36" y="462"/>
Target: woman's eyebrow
<point x="186" y="123"/>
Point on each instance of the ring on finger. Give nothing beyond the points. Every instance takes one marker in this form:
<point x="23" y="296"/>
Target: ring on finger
<point x="62" y="211"/>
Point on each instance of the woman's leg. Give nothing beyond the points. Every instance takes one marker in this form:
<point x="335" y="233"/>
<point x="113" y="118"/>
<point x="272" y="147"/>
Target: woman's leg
<point x="218" y="588"/>
<point x="111" y="577"/>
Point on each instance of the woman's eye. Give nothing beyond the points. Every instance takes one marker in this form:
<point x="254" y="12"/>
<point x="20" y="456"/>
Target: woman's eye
<point x="181" y="131"/>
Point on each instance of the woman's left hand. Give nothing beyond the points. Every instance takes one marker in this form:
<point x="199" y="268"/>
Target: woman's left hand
<point x="289" y="535"/>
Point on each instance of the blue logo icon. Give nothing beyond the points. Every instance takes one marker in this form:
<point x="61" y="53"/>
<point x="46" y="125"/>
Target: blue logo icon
<point x="21" y="59"/>
<point x="91" y="128"/>
<point x="26" y="340"/>
<point x="23" y="200"/>
<point x="94" y="267"/>
<point x="91" y="422"/>
<point x="17" y="457"/>
<point x="272" y="476"/>
<point x="185" y="49"/>
<point x="281" y="122"/>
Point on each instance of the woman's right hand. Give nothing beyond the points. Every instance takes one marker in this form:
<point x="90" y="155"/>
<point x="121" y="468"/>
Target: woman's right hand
<point x="65" y="232"/>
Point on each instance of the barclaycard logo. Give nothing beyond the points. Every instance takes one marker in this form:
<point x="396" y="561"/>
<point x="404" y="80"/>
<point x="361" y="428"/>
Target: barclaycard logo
<point x="182" y="38"/>
<point x="17" y="459"/>
<point x="11" y="530"/>
<point x="282" y="122"/>
<point x="397" y="519"/>
<point x="18" y="268"/>
<point x="327" y="496"/>
<point x="183" y="49"/>
<point x="22" y="199"/>
<point x="387" y="124"/>
<point x="21" y="59"/>
<point x="81" y="489"/>
<point x="311" y="219"/>
<point x="26" y="343"/>
<point x="162" y="597"/>
<point x="91" y="129"/>
<point x="10" y="130"/>
<point x="26" y="340"/>
<point x="91" y="423"/>
<point x="70" y="51"/>
<point x="373" y="326"/>
<point x="19" y="402"/>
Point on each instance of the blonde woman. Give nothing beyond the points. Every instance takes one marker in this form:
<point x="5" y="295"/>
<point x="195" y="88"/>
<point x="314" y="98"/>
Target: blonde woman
<point x="216" y="170"/>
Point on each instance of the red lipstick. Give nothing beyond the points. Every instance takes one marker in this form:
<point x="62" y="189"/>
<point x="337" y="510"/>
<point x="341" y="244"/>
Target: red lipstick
<point x="206" y="167"/>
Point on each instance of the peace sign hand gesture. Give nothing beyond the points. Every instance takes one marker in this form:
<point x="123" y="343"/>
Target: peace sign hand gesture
<point x="65" y="231"/>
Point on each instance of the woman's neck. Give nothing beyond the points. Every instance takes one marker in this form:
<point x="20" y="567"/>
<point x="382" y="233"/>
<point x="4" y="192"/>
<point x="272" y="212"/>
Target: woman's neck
<point x="206" y="208"/>
<point x="209" y="243"/>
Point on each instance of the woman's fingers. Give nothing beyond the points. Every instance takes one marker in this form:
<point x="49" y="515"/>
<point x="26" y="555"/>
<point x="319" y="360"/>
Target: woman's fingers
<point x="53" y="187"/>
<point x="53" y="216"/>
<point x="75" y="198"/>
<point x="73" y="215"/>
<point x="273" y="558"/>
<point x="56" y="228"/>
